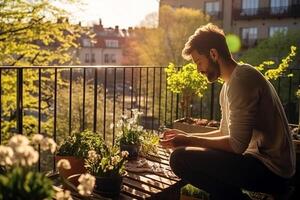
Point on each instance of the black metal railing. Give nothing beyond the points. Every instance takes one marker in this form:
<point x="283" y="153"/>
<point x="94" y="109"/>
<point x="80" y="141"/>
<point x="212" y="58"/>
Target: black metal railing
<point x="267" y="12"/>
<point x="56" y="101"/>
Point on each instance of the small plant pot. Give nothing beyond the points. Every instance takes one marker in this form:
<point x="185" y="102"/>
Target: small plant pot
<point x="109" y="187"/>
<point x="133" y="150"/>
<point x="77" y="166"/>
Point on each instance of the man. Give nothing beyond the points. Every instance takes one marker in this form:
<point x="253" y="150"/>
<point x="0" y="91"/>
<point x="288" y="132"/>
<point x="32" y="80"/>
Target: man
<point x="253" y="149"/>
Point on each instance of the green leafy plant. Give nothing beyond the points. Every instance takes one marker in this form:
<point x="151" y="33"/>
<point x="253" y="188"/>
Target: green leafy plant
<point x="186" y="81"/>
<point x="80" y="143"/>
<point x="150" y="143"/>
<point x="108" y="163"/>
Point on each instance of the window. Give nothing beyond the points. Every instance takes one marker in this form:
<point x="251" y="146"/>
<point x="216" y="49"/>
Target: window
<point x="249" y="33"/>
<point x="106" y="58"/>
<point x="212" y="8"/>
<point x="93" y="58"/>
<point x="87" y="58"/>
<point x="276" y="29"/>
<point x="113" y="58"/>
<point x="112" y="43"/>
<point x="86" y="43"/>
<point x="249" y="7"/>
<point x="110" y="58"/>
<point x="249" y="36"/>
<point x="279" y="6"/>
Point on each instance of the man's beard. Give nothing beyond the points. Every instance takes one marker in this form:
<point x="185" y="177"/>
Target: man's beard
<point x="214" y="70"/>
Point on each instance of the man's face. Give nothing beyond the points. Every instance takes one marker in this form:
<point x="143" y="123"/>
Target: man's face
<point x="206" y="65"/>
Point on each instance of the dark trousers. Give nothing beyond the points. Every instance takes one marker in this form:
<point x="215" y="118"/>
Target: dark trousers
<point x="223" y="174"/>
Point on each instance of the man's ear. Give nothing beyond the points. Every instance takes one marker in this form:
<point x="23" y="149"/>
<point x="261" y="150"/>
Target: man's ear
<point x="214" y="54"/>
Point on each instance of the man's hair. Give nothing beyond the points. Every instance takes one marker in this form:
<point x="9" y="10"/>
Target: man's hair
<point x="204" y="39"/>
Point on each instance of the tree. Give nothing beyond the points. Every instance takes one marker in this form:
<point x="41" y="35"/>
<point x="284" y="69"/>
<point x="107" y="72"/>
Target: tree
<point x="159" y="46"/>
<point x="33" y="33"/>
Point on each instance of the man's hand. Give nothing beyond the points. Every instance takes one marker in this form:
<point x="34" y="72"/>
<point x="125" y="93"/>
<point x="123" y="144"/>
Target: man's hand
<point x="174" y="138"/>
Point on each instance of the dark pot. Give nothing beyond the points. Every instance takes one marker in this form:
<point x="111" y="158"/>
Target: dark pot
<point x="133" y="150"/>
<point x="109" y="187"/>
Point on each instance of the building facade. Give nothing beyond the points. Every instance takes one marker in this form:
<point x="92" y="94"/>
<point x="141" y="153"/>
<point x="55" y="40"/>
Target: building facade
<point x="252" y="20"/>
<point x="105" y="49"/>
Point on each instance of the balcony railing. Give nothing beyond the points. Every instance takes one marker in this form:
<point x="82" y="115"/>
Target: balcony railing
<point x="59" y="100"/>
<point x="267" y="12"/>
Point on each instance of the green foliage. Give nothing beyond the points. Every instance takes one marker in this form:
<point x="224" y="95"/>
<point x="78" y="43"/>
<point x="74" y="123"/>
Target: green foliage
<point x="108" y="163"/>
<point x="150" y="143"/>
<point x="80" y="143"/>
<point x="190" y="190"/>
<point x="273" y="48"/>
<point x="186" y="81"/>
<point x="20" y="183"/>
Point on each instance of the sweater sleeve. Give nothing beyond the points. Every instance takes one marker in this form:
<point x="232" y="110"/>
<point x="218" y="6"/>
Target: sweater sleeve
<point x="243" y="98"/>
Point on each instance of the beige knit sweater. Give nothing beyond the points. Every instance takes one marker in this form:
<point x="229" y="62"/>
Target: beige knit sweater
<point x="254" y="118"/>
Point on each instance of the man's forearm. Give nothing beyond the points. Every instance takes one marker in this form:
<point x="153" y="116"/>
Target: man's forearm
<point x="220" y="143"/>
<point x="215" y="133"/>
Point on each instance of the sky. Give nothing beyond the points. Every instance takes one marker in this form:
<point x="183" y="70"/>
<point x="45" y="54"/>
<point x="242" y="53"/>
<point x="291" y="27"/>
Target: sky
<point x="124" y="13"/>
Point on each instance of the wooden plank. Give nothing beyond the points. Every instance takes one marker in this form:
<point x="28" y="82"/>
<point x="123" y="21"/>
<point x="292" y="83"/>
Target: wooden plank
<point x="160" y="179"/>
<point x="148" y="181"/>
<point x="140" y="186"/>
<point x="134" y="193"/>
<point x="123" y="196"/>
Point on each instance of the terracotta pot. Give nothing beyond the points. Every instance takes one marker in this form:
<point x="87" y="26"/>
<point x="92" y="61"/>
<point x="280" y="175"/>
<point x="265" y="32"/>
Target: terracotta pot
<point x="133" y="150"/>
<point x="108" y="186"/>
<point x="77" y="166"/>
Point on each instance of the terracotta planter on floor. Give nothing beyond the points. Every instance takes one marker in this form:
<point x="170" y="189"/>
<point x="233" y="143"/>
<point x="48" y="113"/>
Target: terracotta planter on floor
<point x="77" y="166"/>
<point x="192" y="128"/>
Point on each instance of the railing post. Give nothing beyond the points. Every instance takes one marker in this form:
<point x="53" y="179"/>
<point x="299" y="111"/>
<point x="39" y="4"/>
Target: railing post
<point x="20" y="100"/>
<point x="212" y="101"/>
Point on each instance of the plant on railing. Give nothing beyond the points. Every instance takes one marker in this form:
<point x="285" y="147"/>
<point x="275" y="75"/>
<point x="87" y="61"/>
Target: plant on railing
<point x="186" y="81"/>
<point x="274" y="74"/>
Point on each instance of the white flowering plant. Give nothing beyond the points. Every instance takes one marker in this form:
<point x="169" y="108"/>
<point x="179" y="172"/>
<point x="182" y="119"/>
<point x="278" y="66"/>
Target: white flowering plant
<point x="18" y="180"/>
<point x="109" y="163"/>
<point x="131" y="132"/>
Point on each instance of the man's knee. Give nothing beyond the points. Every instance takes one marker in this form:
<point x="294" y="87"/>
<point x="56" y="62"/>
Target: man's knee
<point x="177" y="160"/>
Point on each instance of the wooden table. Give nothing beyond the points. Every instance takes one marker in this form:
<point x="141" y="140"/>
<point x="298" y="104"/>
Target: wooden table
<point x="150" y="184"/>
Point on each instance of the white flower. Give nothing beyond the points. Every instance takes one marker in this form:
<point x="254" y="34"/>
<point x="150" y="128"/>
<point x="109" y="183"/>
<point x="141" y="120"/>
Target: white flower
<point x="110" y="167"/>
<point x="140" y="128"/>
<point x="6" y="155"/>
<point x="18" y="140"/>
<point x="63" y="163"/>
<point x="37" y="138"/>
<point x="63" y="195"/>
<point x="92" y="155"/>
<point x="25" y="155"/>
<point x="87" y="183"/>
<point x="111" y="126"/>
<point x="48" y="143"/>
<point x="124" y="153"/>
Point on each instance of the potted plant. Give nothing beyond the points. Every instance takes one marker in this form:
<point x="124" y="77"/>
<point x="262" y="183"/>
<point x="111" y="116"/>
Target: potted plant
<point x="18" y="179"/>
<point x="75" y="149"/>
<point x="108" y="168"/>
<point x="188" y="82"/>
<point x="130" y="138"/>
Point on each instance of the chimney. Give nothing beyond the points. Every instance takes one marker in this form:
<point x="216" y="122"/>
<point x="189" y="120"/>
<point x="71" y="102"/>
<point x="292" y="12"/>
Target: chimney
<point x="116" y="29"/>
